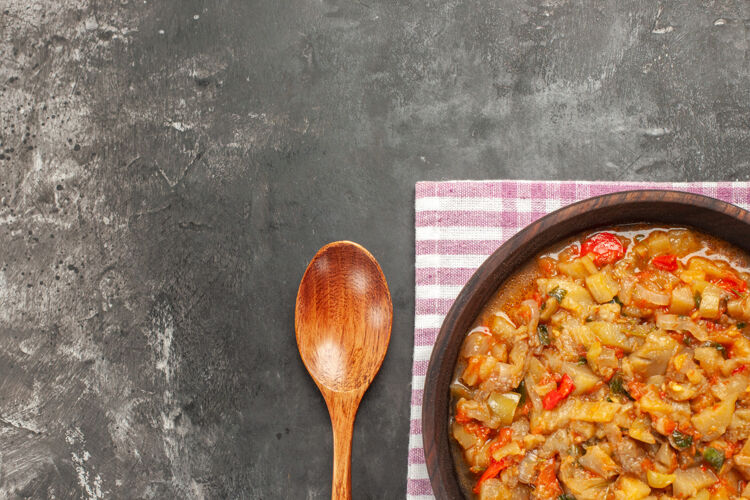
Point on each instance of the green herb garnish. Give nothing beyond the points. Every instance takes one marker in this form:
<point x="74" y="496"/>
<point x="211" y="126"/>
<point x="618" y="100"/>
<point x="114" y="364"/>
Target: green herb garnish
<point x="741" y="324"/>
<point x="617" y="387"/>
<point x="697" y="299"/>
<point x="717" y="346"/>
<point x="543" y="334"/>
<point x="558" y="293"/>
<point x="682" y="441"/>
<point x="521" y="389"/>
<point x="616" y="300"/>
<point x="582" y="360"/>
<point x="566" y="496"/>
<point x="714" y="457"/>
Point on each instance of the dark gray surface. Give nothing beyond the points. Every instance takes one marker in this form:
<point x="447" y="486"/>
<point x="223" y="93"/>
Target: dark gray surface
<point x="170" y="167"/>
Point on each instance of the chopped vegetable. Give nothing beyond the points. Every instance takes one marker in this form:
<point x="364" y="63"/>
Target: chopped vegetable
<point x="599" y="462"/>
<point x="602" y="286"/>
<point x="667" y="262"/>
<point x="465" y="438"/>
<point x="710" y="306"/>
<point x="714" y="458"/>
<point x="691" y="481"/>
<point x="610" y="334"/>
<point x="616" y="386"/>
<point x="493" y="470"/>
<point x="503" y="406"/>
<point x="641" y="431"/>
<point x="504" y="436"/>
<point x="649" y="297"/>
<point x="711" y="343"/>
<point x="739" y="308"/>
<point x="658" y="243"/>
<point x="494" y="488"/>
<point x="581" y="483"/>
<point x="566" y="496"/>
<point x="599" y="411"/>
<point x="630" y="488"/>
<point x="682" y="441"/>
<point x="501" y="326"/>
<point x="682" y="301"/>
<point x="658" y="479"/>
<point x="547" y="485"/>
<point x="509" y="450"/>
<point x="558" y="294"/>
<point x="714" y="420"/>
<point x="606" y="248"/>
<point x="731" y="283"/>
<point x="680" y="324"/>
<point x="543" y="334"/>
<point x="578" y="268"/>
<point x="563" y="390"/>
<point x="521" y="389"/>
<point x="584" y="379"/>
<point x="652" y="358"/>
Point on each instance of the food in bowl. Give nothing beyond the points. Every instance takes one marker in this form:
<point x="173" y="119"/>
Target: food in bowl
<point x="612" y="366"/>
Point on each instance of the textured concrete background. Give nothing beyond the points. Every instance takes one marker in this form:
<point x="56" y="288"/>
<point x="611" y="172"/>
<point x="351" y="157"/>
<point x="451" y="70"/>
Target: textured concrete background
<point x="168" y="169"/>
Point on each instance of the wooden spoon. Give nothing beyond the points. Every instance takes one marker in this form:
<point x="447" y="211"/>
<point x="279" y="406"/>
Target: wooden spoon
<point x="343" y="323"/>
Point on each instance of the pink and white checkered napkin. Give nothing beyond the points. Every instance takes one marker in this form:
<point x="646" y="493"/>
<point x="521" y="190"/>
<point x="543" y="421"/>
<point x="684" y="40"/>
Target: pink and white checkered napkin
<point x="458" y="225"/>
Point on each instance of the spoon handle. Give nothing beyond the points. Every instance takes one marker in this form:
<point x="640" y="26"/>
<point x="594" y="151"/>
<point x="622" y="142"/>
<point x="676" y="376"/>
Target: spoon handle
<point x="343" y="410"/>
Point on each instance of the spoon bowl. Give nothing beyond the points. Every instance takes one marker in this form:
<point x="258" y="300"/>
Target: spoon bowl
<point x="343" y="323"/>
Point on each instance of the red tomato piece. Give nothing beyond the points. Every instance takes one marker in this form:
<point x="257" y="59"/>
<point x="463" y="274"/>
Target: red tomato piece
<point x="732" y="284"/>
<point x="563" y="390"/>
<point x="547" y="485"/>
<point x="667" y="262"/>
<point x="492" y="471"/>
<point x="548" y="266"/>
<point x="504" y="436"/>
<point x="478" y="430"/>
<point x="635" y="389"/>
<point x="670" y="425"/>
<point x="462" y="418"/>
<point x="606" y="248"/>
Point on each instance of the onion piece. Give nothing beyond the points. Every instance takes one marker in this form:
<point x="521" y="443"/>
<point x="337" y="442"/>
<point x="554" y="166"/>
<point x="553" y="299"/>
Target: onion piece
<point x="527" y="467"/>
<point x="678" y="324"/>
<point x="626" y="289"/>
<point x="651" y="297"/>
<point x="536" y="401"/>
<point x="534" y="321"/>
<point x="478" y="341"/>
<point x="692" y="480"/>
<point x="598" y="462"/>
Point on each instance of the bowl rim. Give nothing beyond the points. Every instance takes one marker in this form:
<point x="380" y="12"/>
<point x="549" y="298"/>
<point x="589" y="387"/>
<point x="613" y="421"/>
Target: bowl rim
<point x="716" y="217"/>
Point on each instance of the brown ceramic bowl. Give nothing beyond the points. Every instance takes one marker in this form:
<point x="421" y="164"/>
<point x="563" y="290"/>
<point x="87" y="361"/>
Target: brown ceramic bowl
<point x="712" y="216"/>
